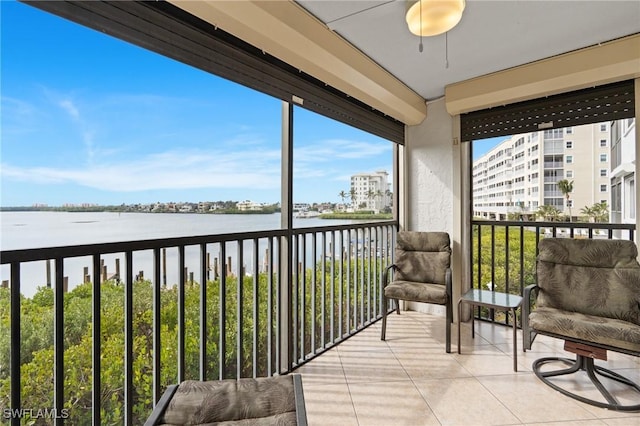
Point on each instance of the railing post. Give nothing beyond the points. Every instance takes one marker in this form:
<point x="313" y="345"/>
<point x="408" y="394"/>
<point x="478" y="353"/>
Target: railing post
<point x="323" y="284"/>
<point x="269" y="271"/>
<point x="157" y="326"/>
<point x="128" y="340"/>
<point x="239" y="310"/>
<point x="256" y="317"/>
<point x="222" y="334"/>
<point x="181" y="315"/>
<point x="15" y="341"/>
<point x="96" y="340"/>
<point x="204" y="277"/>
<point x="312" y="288"/>
<point x="332" y="283"/>
<point x="58" y="340"/>
<point x="286" y="253"/>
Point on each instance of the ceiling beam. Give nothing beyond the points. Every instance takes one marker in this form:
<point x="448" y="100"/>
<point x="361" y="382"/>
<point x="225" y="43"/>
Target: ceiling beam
<point x="288" y="32"/>
<point x="617" y="60"/>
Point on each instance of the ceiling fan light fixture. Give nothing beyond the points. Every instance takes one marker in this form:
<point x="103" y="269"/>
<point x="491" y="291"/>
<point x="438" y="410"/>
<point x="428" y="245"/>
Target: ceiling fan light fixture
<point x="433" y="17"/>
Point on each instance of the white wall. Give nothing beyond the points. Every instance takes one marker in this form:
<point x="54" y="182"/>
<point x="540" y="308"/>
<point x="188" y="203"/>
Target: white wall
<point x="429" y="165"/>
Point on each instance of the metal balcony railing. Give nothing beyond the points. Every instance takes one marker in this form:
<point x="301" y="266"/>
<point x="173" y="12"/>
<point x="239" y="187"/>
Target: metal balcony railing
<point x="256" y="315"/>
<point x="503" y="253"/>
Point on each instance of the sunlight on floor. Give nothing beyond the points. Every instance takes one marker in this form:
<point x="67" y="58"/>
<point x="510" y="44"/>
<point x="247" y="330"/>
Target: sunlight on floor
<point x="410" y="380"/>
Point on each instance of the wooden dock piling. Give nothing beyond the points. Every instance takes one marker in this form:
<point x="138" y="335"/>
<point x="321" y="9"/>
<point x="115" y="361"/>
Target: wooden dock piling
<point x="265" y="260"/>
<point x="164" y="267"/>
<point x="117" y="276"/>
<point x="48" y="273"/>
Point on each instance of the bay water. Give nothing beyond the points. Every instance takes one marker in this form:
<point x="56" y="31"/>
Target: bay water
<point x="26" y="230"/>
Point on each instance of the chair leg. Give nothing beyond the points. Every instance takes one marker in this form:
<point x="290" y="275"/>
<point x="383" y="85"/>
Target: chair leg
<point x="585" y="364"/>
<point x="449" y="320"/>
<point x="385" y="312"/>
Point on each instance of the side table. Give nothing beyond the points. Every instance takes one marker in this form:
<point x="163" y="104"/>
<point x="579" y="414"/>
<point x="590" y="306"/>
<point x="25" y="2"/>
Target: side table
<point x="494" y="300"/>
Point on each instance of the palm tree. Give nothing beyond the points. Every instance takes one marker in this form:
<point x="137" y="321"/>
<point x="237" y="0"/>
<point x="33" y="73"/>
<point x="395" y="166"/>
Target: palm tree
<point x="587" y="211"/>
<point x="548" y="213"/>
<point x="599" y="212"/>
<point x="389" y="194"/>
<point x="352" y="195"/>
<point x="566" y="188"/>
<point x="342" y="196"/>
<point x="370" y="196"/>
<point x="379" y="194"/>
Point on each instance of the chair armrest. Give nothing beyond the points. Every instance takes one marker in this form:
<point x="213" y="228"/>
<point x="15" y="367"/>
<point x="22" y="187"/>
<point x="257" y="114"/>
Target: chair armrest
<point x="385" y="274"/>
<point x="448" y="283"/>
<point x="528" y="335"/>
<point x="531" y="289"/>
<point x="161" y="406"/>
<point x="301" y="410"/>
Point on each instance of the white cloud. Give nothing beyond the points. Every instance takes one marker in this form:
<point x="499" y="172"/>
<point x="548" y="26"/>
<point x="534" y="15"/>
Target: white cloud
<point x="70" y="108"/>
<point x="111" y="138"/>
<point x="340" y="149"/>
<point x="328" y="160"/>
<point x="167" y="170"/>
<point x="343" y="178"/>
<point x="311" y="173"/>
<point x="19" y="117"/>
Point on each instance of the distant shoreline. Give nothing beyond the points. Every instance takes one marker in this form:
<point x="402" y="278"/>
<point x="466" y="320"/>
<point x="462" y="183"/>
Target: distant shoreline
<point x="128" y="209"/>
<point x="356" y="216"/>
<point x="121" y="209"/>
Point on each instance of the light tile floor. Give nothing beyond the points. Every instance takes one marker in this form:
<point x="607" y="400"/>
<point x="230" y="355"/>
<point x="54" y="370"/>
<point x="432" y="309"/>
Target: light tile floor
<point x="410" y="380"/>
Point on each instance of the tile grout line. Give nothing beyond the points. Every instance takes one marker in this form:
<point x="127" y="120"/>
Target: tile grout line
<point x="414" y="383"/>
<point x="346" y="380"/>
<point x="471" y="376"/>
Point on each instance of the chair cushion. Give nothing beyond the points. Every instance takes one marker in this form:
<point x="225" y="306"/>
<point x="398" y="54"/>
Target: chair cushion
<point x="285" y="419"/>
<point x="416" y="292"/>
<point x="423" y="241"/>
<point x="590" y="328"/>
<point x="422" y="256"/>
<point x="592" y="277"/>
<point x="586" y="252"/>
<point x="262" y="401"/>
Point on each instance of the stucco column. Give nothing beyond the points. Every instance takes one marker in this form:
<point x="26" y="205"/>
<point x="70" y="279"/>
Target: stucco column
<point x="432" y="184"/>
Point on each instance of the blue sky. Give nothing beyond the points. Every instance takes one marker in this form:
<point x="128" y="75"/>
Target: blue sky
<point x="481" y="146"/>
<point x="87" y="118"/>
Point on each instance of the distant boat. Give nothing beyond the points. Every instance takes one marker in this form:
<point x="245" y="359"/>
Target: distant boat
<point x="306" y="214"/>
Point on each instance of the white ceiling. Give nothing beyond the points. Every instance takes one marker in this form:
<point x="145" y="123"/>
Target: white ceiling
<point x="492" y="35"/>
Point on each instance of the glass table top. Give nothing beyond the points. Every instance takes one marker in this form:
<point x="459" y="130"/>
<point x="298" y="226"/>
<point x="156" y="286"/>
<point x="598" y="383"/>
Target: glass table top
<point x="492" y="298"/>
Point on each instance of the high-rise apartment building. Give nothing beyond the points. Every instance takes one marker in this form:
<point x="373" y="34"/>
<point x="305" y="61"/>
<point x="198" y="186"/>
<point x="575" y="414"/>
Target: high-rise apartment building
<point x="521" y="173"/>
<point x="370" y="191"/>
<point x="623" y="182"/>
